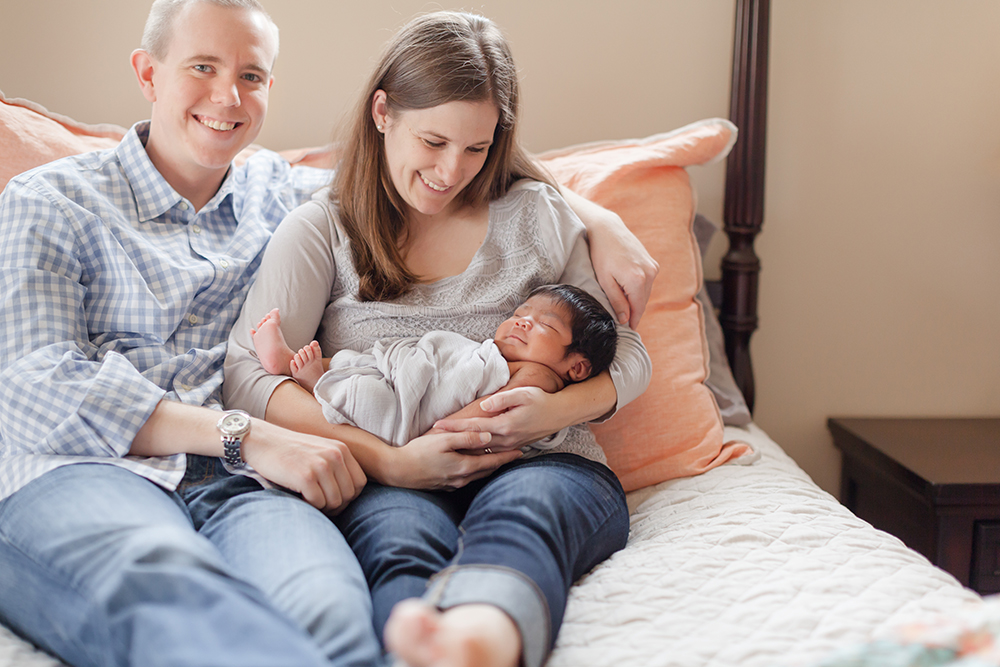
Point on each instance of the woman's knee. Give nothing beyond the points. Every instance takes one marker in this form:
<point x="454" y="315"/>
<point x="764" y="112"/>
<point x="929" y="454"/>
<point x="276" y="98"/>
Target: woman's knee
<point x="561" y="503"/>
<point x="386" y="523"/>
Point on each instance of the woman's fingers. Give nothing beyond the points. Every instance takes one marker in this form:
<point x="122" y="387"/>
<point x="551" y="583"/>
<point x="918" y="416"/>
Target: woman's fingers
<point x="473" y="467"/>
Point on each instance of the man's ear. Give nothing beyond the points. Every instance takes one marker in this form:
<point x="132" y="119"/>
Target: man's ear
<point x="143" y="66"/>
<point x="580" y="368"/>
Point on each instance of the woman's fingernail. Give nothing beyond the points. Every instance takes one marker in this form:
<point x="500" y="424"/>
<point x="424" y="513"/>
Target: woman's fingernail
<point x="622" y="318"/>
<point x="485" y="437"/>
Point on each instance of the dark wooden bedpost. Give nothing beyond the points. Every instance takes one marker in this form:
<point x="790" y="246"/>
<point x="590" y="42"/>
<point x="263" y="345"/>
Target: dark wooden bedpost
<point x="744" y="206"/>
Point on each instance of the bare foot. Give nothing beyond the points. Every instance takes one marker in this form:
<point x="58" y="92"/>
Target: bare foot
<point x="471" y="635"/>
<point x="272" y="350"/>
<point x="307" y="366"/>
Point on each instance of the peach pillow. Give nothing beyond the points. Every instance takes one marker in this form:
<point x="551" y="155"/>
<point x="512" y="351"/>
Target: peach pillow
<point x="674" y="429"/>
<point x="31" y="135"/>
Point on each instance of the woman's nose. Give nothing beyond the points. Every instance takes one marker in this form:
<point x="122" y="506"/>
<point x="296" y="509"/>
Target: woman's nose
<point x="449" y="169"/>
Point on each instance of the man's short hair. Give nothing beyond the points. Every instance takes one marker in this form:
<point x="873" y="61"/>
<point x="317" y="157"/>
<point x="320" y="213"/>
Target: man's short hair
<point x="159" y="25"/>
<point x="595" y="334"/>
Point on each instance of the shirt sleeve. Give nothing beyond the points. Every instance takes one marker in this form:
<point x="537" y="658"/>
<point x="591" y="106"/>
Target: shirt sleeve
<point x="59" y="393"/>
<point x="296" y="276"/>
<point x="565" y="237"/>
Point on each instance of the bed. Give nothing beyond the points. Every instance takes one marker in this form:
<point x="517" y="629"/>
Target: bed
<point x="735" y="556"/>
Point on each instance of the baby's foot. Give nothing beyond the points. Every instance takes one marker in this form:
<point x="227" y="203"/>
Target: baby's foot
<point x="473" y="635"/>
<point x="272" y="350"/>
<point x="307" y="366"/>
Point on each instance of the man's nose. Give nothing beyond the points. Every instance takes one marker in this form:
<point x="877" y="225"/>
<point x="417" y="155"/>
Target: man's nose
<point x="226" y="93"/>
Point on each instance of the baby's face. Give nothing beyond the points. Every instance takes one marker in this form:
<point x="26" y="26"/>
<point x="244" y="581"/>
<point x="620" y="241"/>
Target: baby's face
<point x="539" y="331"/>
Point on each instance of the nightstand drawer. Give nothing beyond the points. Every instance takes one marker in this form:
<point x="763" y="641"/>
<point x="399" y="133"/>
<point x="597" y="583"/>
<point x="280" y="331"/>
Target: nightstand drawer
<point x="985" y="575"/>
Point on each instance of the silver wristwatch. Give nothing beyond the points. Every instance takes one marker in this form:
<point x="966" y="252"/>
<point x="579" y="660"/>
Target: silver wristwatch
<point x="234" y="426"/>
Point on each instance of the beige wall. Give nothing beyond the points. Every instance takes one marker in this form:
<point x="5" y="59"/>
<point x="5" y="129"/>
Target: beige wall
<point x="882" y="230"/>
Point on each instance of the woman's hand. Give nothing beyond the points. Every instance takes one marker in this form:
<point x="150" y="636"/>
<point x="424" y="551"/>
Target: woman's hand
<point x="519" y="416"/>
<point x="524" y="415"/>
<point x="439" y="460"/>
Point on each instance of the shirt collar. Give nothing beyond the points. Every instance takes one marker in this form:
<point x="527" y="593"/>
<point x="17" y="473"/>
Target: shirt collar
<point x="153" y="195"/>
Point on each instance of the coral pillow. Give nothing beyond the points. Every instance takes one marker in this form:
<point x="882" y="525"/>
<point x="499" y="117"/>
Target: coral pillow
<point x="674" y="429"/>
<point x="30" y="136"/>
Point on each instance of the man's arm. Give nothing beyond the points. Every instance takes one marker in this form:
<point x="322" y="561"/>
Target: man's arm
<point x="624" y="268"/>
<point x="60" y="392"/>
<point x="322" y="470"/>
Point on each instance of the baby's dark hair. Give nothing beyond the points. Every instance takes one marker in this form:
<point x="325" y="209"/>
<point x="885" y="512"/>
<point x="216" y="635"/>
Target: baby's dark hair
<point x="595" y="335"/>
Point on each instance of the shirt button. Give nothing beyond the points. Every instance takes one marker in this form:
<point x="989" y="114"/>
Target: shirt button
<point x="224" y="264"/>
<point x="193" y="319"/>
<point x="183" y="206"/>
<point x="196" y="229"/>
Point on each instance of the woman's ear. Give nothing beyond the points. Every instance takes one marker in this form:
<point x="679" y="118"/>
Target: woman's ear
<point x="379" y="110"/>
<point x="580" y="368"/>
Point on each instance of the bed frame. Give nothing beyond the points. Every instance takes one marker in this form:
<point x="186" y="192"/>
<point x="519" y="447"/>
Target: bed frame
<point x="743" y="212"/>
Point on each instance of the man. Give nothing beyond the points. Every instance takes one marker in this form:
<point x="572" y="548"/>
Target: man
<point x="124" y="538"/>
<point x="121" y="273"/>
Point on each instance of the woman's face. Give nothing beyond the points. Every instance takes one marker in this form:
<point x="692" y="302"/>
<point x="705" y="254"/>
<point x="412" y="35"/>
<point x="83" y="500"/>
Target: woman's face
<point x="433" y="153"/>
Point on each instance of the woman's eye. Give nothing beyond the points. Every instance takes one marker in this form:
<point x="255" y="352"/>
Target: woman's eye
<point x="434" y="144"/>
<point x="477" y="150"/>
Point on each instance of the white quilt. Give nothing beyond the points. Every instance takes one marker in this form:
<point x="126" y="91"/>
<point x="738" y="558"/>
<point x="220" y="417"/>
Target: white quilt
<point x="748" y="566"/>
<point x="744" y="565"/>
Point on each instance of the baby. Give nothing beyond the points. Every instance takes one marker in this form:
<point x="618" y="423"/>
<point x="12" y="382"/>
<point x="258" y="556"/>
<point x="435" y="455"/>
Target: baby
<point x="401" y="387"/>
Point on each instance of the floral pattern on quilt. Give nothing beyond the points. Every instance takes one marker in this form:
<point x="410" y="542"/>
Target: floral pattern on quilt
<point x="966" y="638"/>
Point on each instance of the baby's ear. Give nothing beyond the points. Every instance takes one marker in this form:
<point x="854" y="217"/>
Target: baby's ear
<point x="580" y="367"/>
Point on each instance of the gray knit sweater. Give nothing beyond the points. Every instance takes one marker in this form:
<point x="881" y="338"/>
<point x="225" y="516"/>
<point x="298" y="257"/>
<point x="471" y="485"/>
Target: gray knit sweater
<point x="533" y="238"/>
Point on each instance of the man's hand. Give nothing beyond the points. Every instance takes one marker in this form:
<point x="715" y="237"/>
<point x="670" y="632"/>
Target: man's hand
<point x="624" y="268"/>
<point x="322" y="470"/>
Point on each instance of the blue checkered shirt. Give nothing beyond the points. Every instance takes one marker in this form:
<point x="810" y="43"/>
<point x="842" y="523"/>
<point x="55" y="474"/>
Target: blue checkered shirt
<point x="115" y="295"/>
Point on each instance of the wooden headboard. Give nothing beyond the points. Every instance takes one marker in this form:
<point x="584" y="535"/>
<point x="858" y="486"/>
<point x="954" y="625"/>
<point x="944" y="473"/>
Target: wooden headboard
<point x="743" y="212"/>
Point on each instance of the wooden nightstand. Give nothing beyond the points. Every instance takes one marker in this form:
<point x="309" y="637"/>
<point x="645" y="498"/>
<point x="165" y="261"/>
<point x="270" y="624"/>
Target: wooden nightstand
<point x="933" y="483"/>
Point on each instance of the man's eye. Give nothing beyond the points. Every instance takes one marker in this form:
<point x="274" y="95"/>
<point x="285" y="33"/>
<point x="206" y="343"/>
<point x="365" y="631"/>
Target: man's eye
<point x="203" y="68"/>
<point x="252" y="78"/>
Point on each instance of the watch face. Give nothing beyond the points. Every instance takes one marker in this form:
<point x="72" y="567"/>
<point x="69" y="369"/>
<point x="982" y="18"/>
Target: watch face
<point x="234" y="423"/>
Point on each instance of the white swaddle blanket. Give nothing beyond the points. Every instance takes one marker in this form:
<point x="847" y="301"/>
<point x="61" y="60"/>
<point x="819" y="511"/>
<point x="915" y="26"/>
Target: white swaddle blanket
<point x="401" y="387"/>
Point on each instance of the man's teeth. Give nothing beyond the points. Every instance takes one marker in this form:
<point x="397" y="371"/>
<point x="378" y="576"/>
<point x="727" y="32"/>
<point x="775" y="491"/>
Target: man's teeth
<point x="433" y="186"/>
<point x="218" y="125"/>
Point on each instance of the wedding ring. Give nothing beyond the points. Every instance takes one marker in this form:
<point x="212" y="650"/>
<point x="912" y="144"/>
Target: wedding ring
<point x="488" y="450"/>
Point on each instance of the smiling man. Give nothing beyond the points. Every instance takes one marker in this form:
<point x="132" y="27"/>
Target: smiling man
<point x="124" y="537"/>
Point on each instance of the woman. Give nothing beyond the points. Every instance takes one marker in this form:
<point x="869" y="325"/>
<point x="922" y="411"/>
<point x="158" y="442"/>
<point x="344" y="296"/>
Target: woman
<point x="438" y="220"/>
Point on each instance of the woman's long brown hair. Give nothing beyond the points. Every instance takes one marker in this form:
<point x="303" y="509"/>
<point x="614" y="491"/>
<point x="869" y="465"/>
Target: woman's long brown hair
<point x="435" y="59"/>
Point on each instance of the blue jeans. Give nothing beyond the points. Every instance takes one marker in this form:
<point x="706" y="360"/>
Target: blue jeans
<point x="102" y="567"/>
<point x="517" y="540"/>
